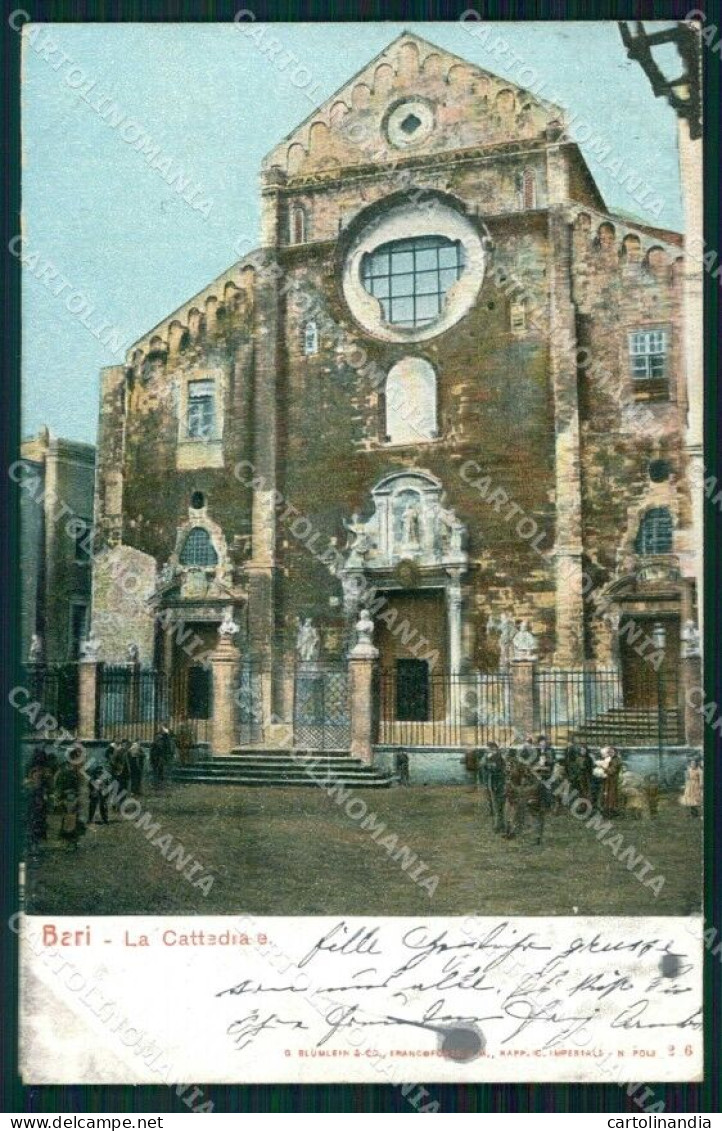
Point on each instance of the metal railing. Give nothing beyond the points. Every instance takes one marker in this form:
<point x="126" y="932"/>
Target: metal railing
<point x="447" y="709"/>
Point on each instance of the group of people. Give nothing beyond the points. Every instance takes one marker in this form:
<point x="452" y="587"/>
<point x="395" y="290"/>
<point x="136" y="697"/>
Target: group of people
<point x="532" y="780"/>
<point x="118" y="773"/>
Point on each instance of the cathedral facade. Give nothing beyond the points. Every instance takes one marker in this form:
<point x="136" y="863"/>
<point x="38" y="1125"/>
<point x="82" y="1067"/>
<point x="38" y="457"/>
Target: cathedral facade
<point x="449" y="388"/>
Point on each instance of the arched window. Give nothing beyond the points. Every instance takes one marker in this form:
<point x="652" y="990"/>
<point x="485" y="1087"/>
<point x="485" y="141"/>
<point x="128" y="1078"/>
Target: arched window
<point x="655" y="532"/>
<point x="198" y="550"/>
<point x="410" y="396"/>
<point x="298" y="225"/>
<point x="410" y="277"/>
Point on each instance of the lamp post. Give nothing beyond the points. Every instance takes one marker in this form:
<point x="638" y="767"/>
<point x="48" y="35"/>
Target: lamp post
<point x="659" y="636"/>
<point x="655" y="52"/>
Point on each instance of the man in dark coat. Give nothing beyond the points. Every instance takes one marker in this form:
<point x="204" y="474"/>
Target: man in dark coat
<point x="97" y="785"/>
<point x="161" y="755"/>
<point x="496" y="784"/>
<point x="538" y="784"/>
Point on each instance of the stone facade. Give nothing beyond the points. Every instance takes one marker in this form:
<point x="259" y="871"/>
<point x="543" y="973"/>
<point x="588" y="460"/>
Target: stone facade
<point x="527" y="485"/>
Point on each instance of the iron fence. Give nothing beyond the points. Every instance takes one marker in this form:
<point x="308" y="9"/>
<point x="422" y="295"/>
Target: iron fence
<point x="599" y="707"/>
<point x="249" y="702"/>
<point x="133" y="702"/>
<point x="55" y="687"/>
<point x="445" y="709"/>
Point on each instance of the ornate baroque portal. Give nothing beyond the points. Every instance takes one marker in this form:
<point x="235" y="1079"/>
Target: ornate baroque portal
<point x="411" y="541"/>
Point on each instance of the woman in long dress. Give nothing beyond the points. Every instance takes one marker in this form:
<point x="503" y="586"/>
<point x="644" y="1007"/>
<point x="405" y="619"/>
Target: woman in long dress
<point x="692" y="795"/>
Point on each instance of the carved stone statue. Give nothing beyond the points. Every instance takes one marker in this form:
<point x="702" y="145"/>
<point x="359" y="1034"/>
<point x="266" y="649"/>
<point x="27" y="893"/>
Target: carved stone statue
<point x="35" y="653"/>
<point x="690" y="639"/>
<point x="526" y="646"/>
<point x="133" y="653"/>
<point x="308" y="641"/>
<point x="364" y="628"/>
<point x="507" y="634"/>
<point x="411" y="525"/>
<point x="457" y="537"/>
<point x="358" y="539"/>
<point x="167" y="573"/>
<point x="364" y="646"/>
<point x="228" y="628"/>
<point x="90" y="647"/>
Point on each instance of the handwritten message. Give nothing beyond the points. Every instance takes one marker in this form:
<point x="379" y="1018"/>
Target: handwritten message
<point x="358" y="999"/>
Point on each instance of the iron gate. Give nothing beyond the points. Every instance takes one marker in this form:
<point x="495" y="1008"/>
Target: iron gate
<point x="321" y="718"/>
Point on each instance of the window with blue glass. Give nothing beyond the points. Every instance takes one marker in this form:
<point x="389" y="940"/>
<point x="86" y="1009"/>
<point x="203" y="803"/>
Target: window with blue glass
<point x="410" y="277"/>
<point x="655" y="532"/>
<point x="198" y="549"/>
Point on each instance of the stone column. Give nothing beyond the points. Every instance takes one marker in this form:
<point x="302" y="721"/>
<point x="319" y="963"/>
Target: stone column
<point x="692" y="699"/>
<point x="361" y="661"/>
<point x="523" y="707"/>
<point x="563" y="366"/>
<point x="87" y="699"/>
<point x="224" y="663"/>
<point x="453" y="608"/>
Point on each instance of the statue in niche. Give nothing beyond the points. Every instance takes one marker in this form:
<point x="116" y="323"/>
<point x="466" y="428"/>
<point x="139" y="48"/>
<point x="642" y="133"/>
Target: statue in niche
<point x="133" y="653"/>
<point x="308" y="641"/>
<point x="411" y="525"/>
<point x="35" y="654"/>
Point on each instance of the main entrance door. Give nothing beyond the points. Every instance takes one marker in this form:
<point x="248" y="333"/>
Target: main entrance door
<point x="412" y="691"/>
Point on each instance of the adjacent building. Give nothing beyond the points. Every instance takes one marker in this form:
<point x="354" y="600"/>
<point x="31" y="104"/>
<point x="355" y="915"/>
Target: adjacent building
<point x="57" y="480"/>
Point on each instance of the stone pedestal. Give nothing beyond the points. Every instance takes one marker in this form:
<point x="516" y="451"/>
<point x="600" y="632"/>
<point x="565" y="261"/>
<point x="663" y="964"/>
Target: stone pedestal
<point x="693" y="698"/>
<point x="524" y="715"/>
<point x="87" y="698"/>
<point x="361" y="675"/>
<point x="224" y="663"/>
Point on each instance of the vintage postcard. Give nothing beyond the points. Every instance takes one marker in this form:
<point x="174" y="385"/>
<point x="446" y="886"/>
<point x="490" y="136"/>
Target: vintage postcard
<point x="362" y="610"/>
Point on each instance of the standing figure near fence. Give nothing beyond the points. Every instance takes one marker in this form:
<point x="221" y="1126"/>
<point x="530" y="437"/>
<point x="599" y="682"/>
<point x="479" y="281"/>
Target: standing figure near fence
<point x="599" y="776"/>
<point x="136" y="760"/>
<point x="67" y="791"/>
<point x="36" y="805"/>
<point x="496" y="784"/>
<point x="611" y="790"/>
<point x="161" y="755"/>
<point x="120" y="766"/>
<point x="692" y="793"/>
<point x="514" y="799"/>
<point x="401" y="767"/>
<point x="97" y="785"/>
<point x="585" y="773"/>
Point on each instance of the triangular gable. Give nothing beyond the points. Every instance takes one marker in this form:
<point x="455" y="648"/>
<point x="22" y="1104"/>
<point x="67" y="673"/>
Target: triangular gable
<point x="471" y="107"/>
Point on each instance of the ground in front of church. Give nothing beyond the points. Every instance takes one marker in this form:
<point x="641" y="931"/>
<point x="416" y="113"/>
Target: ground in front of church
<point x="297" y="852"/>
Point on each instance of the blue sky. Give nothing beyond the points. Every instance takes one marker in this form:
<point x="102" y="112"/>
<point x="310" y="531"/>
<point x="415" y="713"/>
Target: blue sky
<point x="96" y="210"/>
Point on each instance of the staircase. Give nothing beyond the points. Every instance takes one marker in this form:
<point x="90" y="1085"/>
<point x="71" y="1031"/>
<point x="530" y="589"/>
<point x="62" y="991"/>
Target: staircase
<point x="630" y="727"/>
<point x="284" y="768"/>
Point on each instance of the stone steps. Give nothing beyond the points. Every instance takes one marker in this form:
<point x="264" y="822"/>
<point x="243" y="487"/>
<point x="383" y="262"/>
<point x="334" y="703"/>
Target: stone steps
<point x="278" y="768"/>
<point x="622" y="726"/>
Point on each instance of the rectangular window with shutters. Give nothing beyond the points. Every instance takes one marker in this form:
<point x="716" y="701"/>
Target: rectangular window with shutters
<point x="201" y="423"/>
<point x="648" y="355"/>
